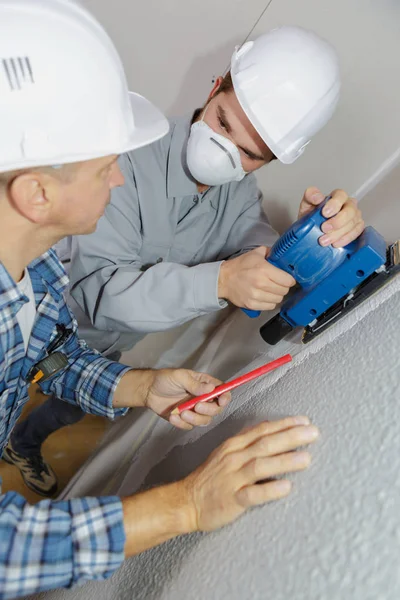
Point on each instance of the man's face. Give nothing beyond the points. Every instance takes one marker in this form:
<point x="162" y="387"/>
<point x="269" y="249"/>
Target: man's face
<point x="225" y="116"/>
<point x="82" y="200"/>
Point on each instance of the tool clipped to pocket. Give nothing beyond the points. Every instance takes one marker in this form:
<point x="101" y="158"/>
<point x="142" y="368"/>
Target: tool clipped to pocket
<point x="47" y="367"/>
<point x="54" y="361"/>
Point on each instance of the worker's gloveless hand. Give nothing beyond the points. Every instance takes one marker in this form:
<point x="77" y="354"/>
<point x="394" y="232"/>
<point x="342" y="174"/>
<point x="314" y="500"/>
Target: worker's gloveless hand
<point x="172" y="386"/>
<point x="344" y="223"/>
<point x="249" y="281"/>
<point x="240" y="473"/>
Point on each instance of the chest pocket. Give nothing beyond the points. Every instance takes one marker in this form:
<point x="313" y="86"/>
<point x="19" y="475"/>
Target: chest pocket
<point x="194" y="239"/>
<point x="197" y="237"/>
<point x="152" y="253"/>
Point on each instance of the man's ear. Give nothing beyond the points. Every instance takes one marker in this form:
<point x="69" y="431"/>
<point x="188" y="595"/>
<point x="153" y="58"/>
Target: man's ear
<point x="27" y="194"/>
<point x="216" y="87"/>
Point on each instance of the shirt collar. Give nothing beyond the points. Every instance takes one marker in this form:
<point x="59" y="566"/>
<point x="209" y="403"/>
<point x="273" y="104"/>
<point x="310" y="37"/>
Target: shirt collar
<point x="9" y="290"/>
<point x="51" y="270"/>
<point x="47" y="266"/>
<point x="179" y="181"/>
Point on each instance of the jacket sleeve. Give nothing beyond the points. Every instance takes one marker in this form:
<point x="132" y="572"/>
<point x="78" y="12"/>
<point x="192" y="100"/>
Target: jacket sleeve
<point x="109" y="283"/>
<point x="251" y="229"/>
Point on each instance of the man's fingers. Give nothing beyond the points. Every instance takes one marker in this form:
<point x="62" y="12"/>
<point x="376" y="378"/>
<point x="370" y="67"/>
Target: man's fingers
<point x="176" y="421"/>
<point x="279" y="278"/>
<point x="200" y="416"/>
<point x="266" y="297"/>
<point x="189" y="416"/>
<point x="332" y="237"/>
<point x="266" y="294"/>
<point x="197" y="384"/>
<point x="313" y="196"/>
<point x="349" y="212"/>
<point x="224" y="399"/>
<point x="262" y="300"/>
<point x="189" y="419"/>
<point x="257" y="305"/>
<point x="254" y="495"/>
<point x="204" y="378"/>
<point x="350" y="237"/>
<point x="334" y="205"/>
<point x="251" y="434"/>
<point x="258" y="470"/>
<point x="265" y="468"/>
<point x="351" y="230"/>
<point x="266" y="285"/>
<point x="210" y="409"/>
<point x="262" y="251"/>
<point x="215" y="407"/>
<point x="281" y="442"/>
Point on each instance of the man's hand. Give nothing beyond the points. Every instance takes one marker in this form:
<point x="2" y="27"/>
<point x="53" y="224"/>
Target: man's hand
<point x="249" y="281"/>
<point x="162" y="390"/>
<point x="173" y="386"/>
<point x="239" y="474"/>
<point x="236" y="476"/>
<point x="345" y="222"/>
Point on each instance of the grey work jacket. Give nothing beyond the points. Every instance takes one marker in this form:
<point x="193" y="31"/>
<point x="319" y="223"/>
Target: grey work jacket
<point x="153" y="262"/>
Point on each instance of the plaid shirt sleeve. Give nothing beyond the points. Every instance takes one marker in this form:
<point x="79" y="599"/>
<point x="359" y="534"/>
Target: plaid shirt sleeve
<point x="89" y="380"/>
<point x="57" y="544"/>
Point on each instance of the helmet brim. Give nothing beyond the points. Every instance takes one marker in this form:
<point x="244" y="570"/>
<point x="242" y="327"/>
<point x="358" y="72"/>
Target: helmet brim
<point x="150" y="123"/>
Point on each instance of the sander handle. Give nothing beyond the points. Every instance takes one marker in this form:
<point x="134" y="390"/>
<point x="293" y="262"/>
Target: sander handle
<point x="276" y="250"/>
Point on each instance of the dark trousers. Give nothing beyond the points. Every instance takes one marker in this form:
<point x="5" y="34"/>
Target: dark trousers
<point x="29" y="435"/>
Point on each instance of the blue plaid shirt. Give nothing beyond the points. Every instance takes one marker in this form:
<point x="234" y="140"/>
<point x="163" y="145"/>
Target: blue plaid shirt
<point x="53" y="544"/>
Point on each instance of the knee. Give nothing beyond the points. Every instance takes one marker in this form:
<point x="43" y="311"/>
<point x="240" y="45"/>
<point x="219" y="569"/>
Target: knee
<point x="69" y="414"/>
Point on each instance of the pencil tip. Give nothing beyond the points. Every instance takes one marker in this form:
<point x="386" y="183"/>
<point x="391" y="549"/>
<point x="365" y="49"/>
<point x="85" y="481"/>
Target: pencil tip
<point x="175" y="411"/>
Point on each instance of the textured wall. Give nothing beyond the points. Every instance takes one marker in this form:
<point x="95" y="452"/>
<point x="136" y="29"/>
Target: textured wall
<point x="338" y="536"/>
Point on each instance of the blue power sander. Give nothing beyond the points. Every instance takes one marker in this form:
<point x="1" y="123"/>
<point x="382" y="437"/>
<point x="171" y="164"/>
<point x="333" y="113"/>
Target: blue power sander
<point x="331" y="281"/>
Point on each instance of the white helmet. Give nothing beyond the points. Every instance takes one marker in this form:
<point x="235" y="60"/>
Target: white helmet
<point x="63" y="92"/>
<point x="287" y="82"/>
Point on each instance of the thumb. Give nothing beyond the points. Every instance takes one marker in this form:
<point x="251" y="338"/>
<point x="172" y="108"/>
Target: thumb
<point x="198" y="384"/>
<point x="314" y="196"/>
<point x="262" y="251"/>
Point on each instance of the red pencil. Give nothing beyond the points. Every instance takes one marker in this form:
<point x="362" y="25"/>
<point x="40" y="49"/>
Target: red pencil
<point x="231" y="385"/>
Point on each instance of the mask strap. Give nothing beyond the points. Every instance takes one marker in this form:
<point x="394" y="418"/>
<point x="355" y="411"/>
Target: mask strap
<point x="204" y="113"/>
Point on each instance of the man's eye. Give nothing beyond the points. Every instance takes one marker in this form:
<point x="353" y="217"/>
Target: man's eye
<point x="222" y="124"/>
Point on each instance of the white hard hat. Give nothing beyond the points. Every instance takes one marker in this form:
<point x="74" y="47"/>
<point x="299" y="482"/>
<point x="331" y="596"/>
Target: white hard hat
<point x="63" y="91"/>
<point x="287" y="82"/>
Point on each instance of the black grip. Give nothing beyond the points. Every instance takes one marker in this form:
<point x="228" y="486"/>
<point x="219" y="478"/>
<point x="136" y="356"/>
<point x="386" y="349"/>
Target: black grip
<point x="275" y="330"/>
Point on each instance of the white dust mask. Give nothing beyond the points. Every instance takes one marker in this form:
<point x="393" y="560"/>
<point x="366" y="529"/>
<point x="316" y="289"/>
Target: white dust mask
<point x="211" y="158"/>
